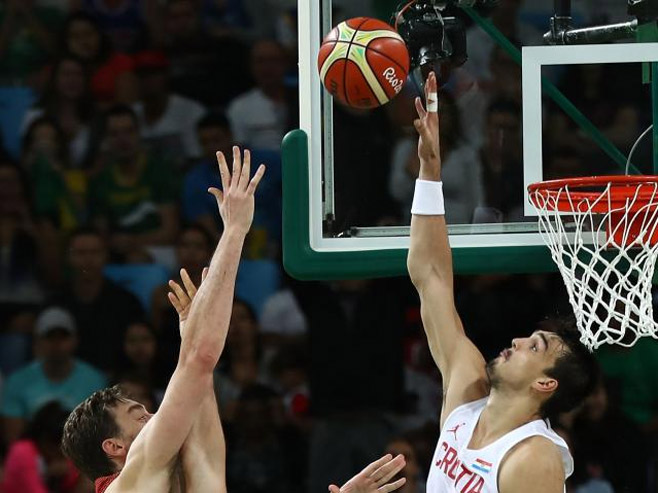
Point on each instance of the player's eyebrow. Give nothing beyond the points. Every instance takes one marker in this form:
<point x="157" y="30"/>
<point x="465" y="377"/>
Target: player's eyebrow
<point x="134" y="406"/>
<point x="544" y="339"/>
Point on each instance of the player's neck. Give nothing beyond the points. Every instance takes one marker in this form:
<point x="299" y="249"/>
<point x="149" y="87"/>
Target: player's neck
<point x="503" y="413"/>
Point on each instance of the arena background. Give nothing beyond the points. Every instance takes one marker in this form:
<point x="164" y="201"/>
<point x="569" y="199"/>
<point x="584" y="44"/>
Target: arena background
<point x="318" y="378"/>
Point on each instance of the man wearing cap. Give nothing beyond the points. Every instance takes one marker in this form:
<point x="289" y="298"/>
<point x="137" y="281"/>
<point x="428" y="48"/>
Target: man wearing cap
<point x="54" y="375"/>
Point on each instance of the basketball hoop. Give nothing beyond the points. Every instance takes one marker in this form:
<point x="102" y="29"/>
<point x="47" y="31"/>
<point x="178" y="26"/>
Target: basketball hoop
<point x="603" y="235"/>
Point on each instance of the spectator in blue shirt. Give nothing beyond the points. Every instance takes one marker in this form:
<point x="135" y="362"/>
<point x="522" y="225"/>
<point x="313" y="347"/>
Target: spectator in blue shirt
<point x="215" y="134"/>
<point x="54" y="376"/>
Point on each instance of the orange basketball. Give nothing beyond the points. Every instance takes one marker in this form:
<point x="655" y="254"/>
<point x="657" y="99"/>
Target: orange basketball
<point x="363" y="62"/>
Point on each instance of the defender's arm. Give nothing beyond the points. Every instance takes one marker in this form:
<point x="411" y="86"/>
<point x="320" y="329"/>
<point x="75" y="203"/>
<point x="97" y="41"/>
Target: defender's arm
<point x="430" y="269"/>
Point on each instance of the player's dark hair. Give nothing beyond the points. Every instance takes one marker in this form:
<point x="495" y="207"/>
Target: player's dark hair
<point x="87" y="427"/>
<point x="576" y="370"/>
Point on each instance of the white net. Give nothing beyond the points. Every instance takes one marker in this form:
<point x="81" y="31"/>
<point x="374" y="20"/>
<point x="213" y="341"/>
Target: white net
<point x="606" y="251"/>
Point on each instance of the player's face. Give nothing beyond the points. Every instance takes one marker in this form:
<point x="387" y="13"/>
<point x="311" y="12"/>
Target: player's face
<point x="523" y="365"/>
<point x="131" y="417"/>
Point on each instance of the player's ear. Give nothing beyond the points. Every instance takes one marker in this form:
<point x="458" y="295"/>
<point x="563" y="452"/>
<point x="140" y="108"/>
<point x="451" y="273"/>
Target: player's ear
<point x="113" y="447"/>
<point x="545" y="384"/>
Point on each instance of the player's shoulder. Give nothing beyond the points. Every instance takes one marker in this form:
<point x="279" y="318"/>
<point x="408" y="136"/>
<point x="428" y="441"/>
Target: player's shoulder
<point x="534" y="457"/>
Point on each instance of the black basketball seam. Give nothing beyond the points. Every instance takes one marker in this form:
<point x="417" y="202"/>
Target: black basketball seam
<point x="347" y="57"/>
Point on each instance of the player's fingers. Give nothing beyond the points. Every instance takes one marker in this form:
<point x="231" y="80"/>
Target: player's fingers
<point x="174" y="302"/>
<point x="179" y="292"/>
<point x="253" y="184"/>
<point x="204" y="274"/>
<point x="370" y="469"/>
<point x="246" y="169"/>
<point x="223" y="170"/>
<point x="393" y="486"/>
<point x="187" y="282"/>
<point x="334" y="489"/>
<point x="217" y="193"/>
<point x="387" y="471"/>
<point x="237" y="166"/>
<point x="419" y="108"/>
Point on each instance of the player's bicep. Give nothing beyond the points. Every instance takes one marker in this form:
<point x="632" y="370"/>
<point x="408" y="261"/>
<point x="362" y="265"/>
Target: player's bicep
<point x="168" y="429"/>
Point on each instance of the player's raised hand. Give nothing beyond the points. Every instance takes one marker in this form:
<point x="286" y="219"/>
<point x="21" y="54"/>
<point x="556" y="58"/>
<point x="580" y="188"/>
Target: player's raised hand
<point x="375" y="477"/>
<point x="181" y="297"/>
<point x="236" y="199"/>
<point x="427" y="125"/>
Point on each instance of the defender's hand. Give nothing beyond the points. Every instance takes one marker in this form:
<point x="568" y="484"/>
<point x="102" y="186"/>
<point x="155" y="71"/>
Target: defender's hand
<point x="181" y="298"/>
<point x="375" y="477"/>
<point x="427" y="126"/>
<point x="236" y="201"/>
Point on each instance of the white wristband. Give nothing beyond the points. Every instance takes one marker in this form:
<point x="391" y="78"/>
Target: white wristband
<point x="428" y="198"/>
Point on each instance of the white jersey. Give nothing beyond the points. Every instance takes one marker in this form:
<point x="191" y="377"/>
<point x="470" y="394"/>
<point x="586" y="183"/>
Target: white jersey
<point x="457" y="469"/>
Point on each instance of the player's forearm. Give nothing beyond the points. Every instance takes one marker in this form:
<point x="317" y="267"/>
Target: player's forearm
<point x="207" y="324"/>
<point x="429" y="251"/>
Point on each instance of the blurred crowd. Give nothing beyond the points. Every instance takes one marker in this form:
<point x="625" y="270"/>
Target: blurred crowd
<point x="112" y="113"/>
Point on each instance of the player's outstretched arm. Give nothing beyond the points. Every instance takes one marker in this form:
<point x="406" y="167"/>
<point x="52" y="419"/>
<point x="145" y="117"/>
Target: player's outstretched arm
<point x="207" y="324"/>
<point x="375" y="477"/>
<point x="430" y="269"/>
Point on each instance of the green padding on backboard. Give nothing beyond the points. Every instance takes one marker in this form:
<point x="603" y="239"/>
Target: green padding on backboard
<point x="304" y="263"/>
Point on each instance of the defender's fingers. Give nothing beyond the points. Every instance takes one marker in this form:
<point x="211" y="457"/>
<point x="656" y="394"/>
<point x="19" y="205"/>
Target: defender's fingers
<point x="246" y="169"/>
<point x="387" y="471"/>
<point x="223" y="170"/>
<point x="204" y="274"/>
<point x="187" y="282"/>
<point x="179" y="292"/>
<point x="393" y="486"/>
<point x="253" y="184"/>
<point x="377" y="464"/>
<point x="419" y="108"/>
<point x="334" y="489"/>
<point x="174" y="301"/>
<point x="237" y="166"/>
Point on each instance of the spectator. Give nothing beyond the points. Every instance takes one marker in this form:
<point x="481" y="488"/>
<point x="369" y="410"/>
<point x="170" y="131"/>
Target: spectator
<point x="264" y="456"/>
<point x="26" y="37"/>
<point x="19" y="242"/>
<point x="282" y="320"/>
<point x="67" y="100"/>
<point x="215" y="135"/>
<point x="54" y="375"/>
<point x="501" y="166"/>
<point x="35" y="463"/>
<point x="198" y="61"/>
<point x="289" y="370"/>
<point x="140" y="361"/>
<point x="112" y="78"/>
<point x="124" y="21"/>
<point x="262" y="116"/>
<point x="462" y="185"/>
<point x="415" y="482"/>
<point x="193" y="253"/>
<point x="608" y="445"/>
<point x="60" y="191"/>
<point x="241" y="365"/>
<point x="102" y="309"/>
<point x="167" y="121"/>
<point x="134" y="197"/>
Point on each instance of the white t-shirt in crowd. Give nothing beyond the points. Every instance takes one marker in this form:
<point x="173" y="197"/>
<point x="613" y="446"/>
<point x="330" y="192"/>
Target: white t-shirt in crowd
<point x="175" y="133"/>
<point x="257" y="121"/>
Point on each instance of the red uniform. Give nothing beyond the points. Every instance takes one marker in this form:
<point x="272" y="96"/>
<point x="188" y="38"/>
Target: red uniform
<point x="104" y="482"/>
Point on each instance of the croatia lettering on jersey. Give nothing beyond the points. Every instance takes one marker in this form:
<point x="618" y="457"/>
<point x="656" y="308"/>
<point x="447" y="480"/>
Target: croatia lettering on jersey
<point x="463" y="476"/>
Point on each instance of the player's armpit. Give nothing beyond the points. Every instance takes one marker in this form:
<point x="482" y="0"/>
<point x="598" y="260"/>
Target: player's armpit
<point x="533" y="465"/>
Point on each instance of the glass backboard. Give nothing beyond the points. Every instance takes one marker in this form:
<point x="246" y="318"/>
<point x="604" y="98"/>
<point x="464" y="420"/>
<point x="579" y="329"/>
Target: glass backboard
<point x="348" y="175"/>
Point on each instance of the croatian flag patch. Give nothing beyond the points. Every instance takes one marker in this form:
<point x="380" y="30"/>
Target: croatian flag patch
<point x="482" y="465"/>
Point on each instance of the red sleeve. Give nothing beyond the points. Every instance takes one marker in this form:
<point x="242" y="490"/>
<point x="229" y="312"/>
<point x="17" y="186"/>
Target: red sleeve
<point x="22" y="469"/>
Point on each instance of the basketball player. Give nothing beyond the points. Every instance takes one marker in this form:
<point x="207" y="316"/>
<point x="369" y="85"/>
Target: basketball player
<point x="114" y="440"/>
<point x="494" y="433"/>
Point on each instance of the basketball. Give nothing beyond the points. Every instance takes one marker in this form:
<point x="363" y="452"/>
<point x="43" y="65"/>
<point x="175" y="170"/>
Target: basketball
<point x="363" y="62"/>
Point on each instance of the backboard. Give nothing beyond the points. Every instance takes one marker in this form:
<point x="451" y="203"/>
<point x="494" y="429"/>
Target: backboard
<point x="347" y="175"/>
